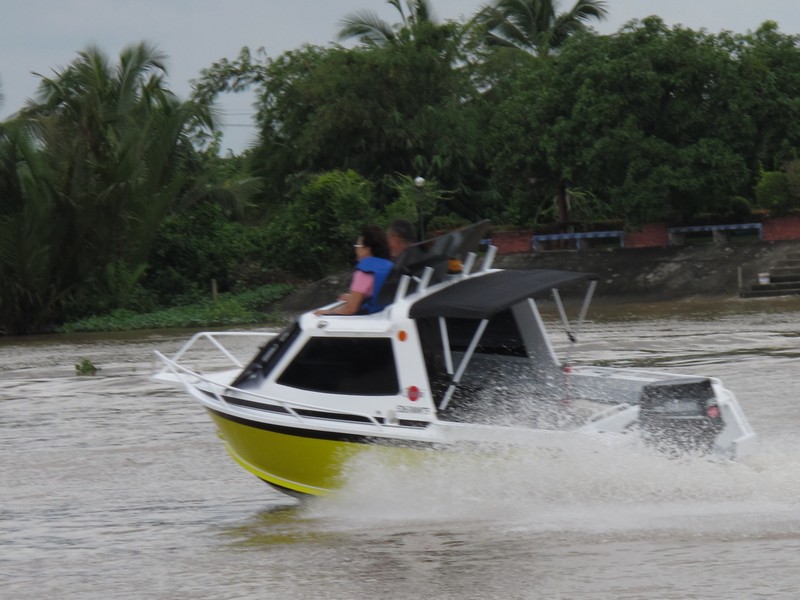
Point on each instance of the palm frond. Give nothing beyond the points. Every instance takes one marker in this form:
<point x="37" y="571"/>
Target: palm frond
<point x="367" y="26"/>
<point x="534" y="25"/>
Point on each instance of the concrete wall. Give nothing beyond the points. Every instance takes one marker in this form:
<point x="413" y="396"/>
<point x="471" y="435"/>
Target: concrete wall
<point x="649" y="235"/>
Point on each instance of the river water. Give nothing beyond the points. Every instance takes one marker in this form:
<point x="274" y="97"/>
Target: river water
<point x="114" y="486"/>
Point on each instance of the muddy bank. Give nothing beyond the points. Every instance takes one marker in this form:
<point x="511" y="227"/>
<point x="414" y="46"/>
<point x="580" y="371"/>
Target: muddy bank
<point x="664" y="273"/>
<point x="651" y="274"/>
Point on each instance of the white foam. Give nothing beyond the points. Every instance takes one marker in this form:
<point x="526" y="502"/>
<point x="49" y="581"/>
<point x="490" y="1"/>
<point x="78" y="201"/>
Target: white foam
<point x="592" y="488"/>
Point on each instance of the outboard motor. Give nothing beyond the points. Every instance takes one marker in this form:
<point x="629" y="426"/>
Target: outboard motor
<point x="679" y="415"/>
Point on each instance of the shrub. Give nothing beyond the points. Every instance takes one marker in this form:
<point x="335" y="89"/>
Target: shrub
<point x="245" y="309"/>
<point x="316" y="231"/>
<point x="772" y="191"/>
<point x="191" y="249"/>
<point x="739" y="208"/>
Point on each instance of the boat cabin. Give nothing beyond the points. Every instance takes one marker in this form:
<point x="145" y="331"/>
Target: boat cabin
<point x="443" y="343"/>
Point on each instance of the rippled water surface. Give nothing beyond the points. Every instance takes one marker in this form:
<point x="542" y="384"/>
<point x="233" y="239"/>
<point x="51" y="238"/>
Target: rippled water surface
<point x="113" y="486"/>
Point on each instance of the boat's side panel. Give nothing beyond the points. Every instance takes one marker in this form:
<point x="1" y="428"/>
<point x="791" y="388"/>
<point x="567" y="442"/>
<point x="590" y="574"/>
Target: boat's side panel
<point x="307" y="465"/>
<point x="309" y="462"/>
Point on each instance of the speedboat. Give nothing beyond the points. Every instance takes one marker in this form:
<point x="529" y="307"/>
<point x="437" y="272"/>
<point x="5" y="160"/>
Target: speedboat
<point x="460" y="357"/>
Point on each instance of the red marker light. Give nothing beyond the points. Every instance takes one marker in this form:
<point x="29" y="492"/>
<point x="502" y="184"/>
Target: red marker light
<point x="712" y="412"/>
<point x="413" y="393"/>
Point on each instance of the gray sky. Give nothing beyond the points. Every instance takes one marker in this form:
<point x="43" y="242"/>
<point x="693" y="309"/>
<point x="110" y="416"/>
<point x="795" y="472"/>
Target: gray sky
<point x="42" y="35"/>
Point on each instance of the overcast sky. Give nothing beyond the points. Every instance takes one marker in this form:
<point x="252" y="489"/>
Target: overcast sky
<point x="43" y="35"/>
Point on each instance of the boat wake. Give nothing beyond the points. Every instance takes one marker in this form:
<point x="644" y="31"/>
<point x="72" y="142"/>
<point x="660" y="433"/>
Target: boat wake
<point x="585" y="487"/>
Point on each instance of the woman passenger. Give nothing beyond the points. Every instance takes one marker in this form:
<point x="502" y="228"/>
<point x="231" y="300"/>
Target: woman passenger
<point x="372" y="268"/>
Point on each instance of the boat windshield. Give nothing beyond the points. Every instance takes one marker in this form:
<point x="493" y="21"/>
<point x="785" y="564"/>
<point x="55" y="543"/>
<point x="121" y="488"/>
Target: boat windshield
<point x="268" y="355"/>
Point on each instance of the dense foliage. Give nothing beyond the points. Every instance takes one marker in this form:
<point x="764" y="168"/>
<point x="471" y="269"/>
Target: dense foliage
<point x="89" y="171"/>
<point x="114" y="197"/>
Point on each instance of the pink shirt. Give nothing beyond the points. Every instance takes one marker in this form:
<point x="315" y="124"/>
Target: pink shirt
<point x="362" y="283"/>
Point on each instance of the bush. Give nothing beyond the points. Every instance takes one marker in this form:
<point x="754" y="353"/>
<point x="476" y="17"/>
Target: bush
<point x="793" y="180"/>
<point x="447" y="222"/>
<point x="245" y="309"/>
<point x="772" y="191"/>
<point x="191" y="249"/>
<point x="316" y="231"/>
<point x="264" y="296"/>
<point x="739" y="209"/>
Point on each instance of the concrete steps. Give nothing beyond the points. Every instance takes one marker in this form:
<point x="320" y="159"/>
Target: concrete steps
<point x="781" y="279"/>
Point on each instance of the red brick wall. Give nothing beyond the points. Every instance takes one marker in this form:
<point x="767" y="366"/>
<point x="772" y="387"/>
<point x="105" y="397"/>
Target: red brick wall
<point x="650" y="234"/>
<point x="781" y="228"/>
<point x="512" y="242"/>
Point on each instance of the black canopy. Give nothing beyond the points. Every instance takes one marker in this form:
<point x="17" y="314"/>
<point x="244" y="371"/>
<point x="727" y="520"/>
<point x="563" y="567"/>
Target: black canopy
<point x="481" y="297"/>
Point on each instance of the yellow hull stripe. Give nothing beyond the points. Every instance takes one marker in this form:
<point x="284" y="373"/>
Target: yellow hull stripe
<point x="308" y="465"/>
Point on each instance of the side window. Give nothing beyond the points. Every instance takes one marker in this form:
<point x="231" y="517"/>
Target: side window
<point x="360" y="366"/>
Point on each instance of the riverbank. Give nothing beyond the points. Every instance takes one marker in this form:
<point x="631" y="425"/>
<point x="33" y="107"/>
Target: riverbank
<point x="625" y="274"/>
<point x="635" y="274"/>
<point x="665" y="273"/>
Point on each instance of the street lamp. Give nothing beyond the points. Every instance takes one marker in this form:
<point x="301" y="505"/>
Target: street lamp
<point x="420" y="183"/>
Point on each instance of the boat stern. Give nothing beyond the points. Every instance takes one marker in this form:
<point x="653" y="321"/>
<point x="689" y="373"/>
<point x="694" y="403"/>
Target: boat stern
<point x="695" y="414"/>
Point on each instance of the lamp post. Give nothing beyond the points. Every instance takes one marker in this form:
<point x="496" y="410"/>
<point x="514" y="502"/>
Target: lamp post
<point x="420" y="183"/>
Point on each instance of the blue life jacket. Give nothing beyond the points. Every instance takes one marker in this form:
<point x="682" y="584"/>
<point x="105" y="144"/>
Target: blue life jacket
<point x="380" y="269"/>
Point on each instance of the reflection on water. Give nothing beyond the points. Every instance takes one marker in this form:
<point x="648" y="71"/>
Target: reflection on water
<point x="116" y="487"/>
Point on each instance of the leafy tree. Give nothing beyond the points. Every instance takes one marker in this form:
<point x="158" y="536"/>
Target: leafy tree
<point x="766" y="100"/>
<point x="227" y="76"/>
<point x="380" y="111"/>
<point x="316" y="231"/>
<point x="224" y="180"/>
<point x="273" y="160"/>
<point x="792" y="169"/>
<point x="647" y="120"/>
<point x="406" y="105"/>
<point x="779" y="191"/>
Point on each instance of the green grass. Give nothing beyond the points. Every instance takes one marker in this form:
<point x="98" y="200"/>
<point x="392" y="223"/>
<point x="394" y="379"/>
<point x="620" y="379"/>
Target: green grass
<point x="248" y="308"/>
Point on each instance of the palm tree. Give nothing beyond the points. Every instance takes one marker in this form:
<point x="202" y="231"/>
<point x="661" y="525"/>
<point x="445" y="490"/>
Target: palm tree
<point x="534" y="25"/>
<point x="370" y="29"/>
<point x="120" y="132"/>
<point x="110" y="143"/>
<point x="28" y="227"/>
